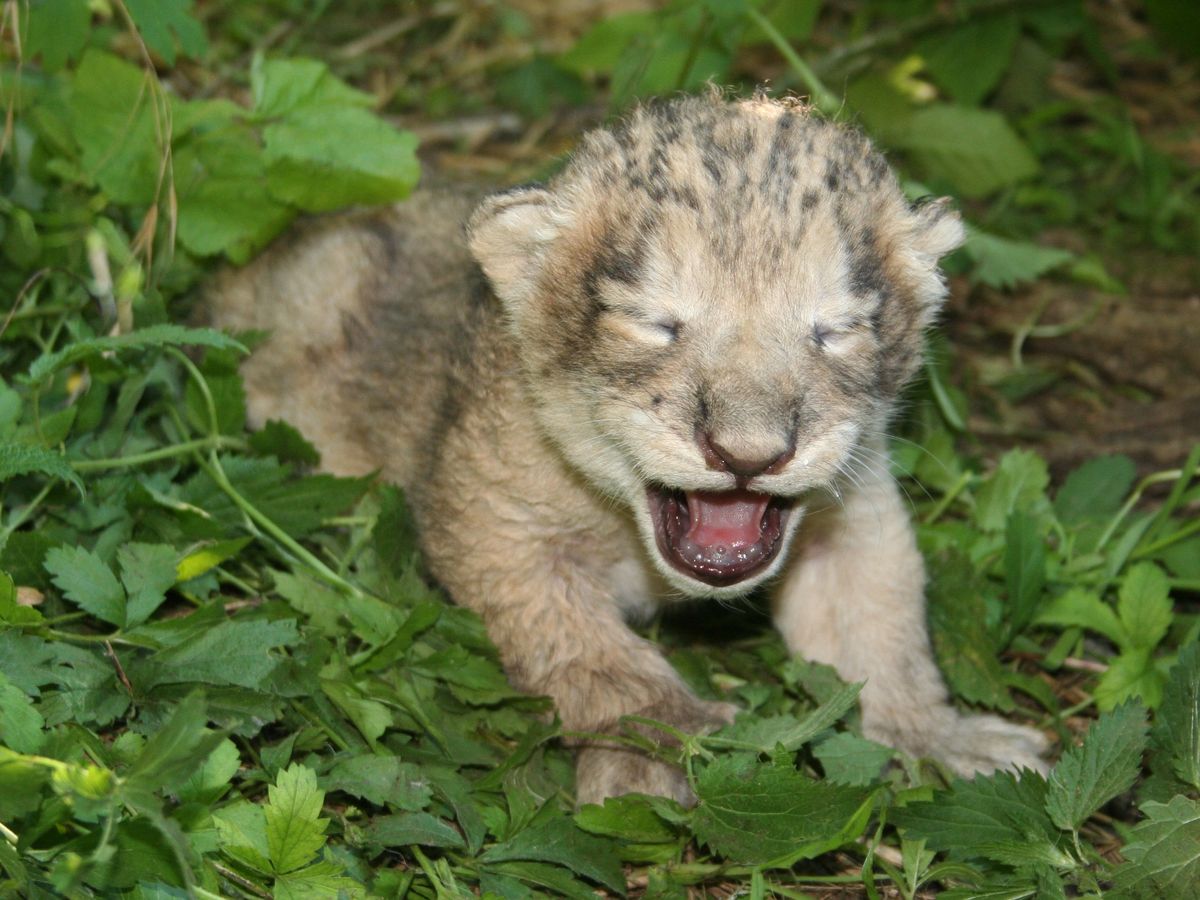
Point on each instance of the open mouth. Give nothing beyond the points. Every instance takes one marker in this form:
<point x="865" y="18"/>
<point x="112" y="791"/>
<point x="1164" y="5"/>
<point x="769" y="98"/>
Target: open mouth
<point x="718" y="537"/>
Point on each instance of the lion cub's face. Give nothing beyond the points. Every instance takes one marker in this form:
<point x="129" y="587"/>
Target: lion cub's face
<point x="716" y="305"/>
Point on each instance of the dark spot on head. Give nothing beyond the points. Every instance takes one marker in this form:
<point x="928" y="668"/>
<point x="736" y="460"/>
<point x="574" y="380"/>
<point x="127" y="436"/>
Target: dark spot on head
<point x="810" y="200"/>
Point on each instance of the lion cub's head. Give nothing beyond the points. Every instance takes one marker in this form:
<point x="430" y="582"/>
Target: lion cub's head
<point x="716" y="304"/>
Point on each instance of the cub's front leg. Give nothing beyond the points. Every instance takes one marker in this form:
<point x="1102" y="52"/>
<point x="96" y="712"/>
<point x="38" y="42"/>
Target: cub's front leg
<point x="854" y="598"/>
<point x="549" y="609"/>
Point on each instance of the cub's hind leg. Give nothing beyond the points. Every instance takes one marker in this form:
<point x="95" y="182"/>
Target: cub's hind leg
<point x="854" y="598"/>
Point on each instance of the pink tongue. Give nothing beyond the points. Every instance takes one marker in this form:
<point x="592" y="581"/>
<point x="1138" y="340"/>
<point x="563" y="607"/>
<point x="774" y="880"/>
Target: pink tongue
<point x="730" y="519"/>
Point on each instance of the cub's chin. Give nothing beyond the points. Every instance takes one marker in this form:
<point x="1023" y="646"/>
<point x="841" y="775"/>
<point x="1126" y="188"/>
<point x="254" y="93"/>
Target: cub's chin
<point x="721" y="542"/>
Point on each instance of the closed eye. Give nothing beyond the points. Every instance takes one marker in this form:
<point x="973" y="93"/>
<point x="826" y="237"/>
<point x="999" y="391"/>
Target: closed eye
<point x="830" y="335"/>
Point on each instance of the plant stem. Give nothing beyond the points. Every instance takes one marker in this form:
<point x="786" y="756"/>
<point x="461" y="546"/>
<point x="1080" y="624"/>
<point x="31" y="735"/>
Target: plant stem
<point x="219" y="442"/>
<point x="823" y="98"/>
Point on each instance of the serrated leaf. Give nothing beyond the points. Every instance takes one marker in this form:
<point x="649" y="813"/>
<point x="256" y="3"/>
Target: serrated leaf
<point x="147" y="571"/>
<point x="141" y="339"/>
<point x="1005" y="263"/>
<point x="1019" y="483"/>
<point x="163" y="23"/>
<point x="1163" y="853"/>
<point x="995" y="810"/>
<point x="766" y="734"/>
<point x="87" y="582"/>
<point x="850" y="759"/>
<point x="1144" y="605"/>
<point x="381" y="780"/>
<point x="563" y="842"/>
<point x="207" y="783"/>
<point x="235" y="651"/>
<point x="242" y="832"/>
<point x="23" y="459"/>
<point x="406" y="829"/>
<point x="173" y="752"/>
<point x="1176" y="733"/>
<point x="318" y="882"/>
<point x="1105" y="765"/>
<point x="1082" y="608"/>
<point x="975" y="149"/>
<point x="20" y="722"/>
<point x="1095" y="490"/>
<point x="754" y="813"/>
<point x="295" y="831"/>
<point x="1130" y="674"/>
<point x="279" y="439"/>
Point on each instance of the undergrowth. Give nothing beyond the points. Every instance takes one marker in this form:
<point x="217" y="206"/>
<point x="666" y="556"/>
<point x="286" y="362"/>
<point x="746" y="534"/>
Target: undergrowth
<point x="223" y="675"/>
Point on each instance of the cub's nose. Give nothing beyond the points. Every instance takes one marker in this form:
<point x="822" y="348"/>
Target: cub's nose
<point x="744" y="463"/>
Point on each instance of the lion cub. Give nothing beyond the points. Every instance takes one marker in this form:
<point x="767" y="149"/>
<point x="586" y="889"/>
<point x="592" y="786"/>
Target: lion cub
<point x="667" y="373"/>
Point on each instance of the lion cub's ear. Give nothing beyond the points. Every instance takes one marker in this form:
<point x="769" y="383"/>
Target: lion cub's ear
<point x="938" y="228"/>
<point x="509" y="234"/>
<point x="934" y="229"/>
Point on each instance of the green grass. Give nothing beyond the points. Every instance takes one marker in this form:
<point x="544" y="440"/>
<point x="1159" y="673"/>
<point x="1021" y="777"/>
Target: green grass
<point x="222" y="674"/>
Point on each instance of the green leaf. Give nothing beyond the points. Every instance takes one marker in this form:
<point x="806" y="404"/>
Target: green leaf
<point x="318" y="882"/>
<point x="285" y="443"/>
<point x="242" y="833"/>
<point x="58" y="30"/>
<point x="235" y="651"/>
<point x="1024" y="569"/>
<point x="381" y="780"/>
<point x="407" y="829"/>
<point x="87" y="582"/>
<point x="1081" y="608"/>
<point x="1005" y="263"/>
<point x="113" y="121"/>
<point x="221" y="179"/>
<point x="328" y="157"/>
<point x="22" y="459"/>
<point x="562" y="842"/>
<point x="208" y="555"/>
<point x="997" y="817"/>
<point x="965" y="648"/>
<point x="207" y="783"/>
<point x="164" y="23"/>
<point x="630" y="818"/>
<point x="754" y="813"/>
<point x="1131" y="674"/>
<point x="11" y="612"/>
<point x="1105" y="765"/>
<point x="20" y="723"/>
<point x="765" y="734"/>
<point x="975" y="149"/>
<point x="281" y="86"/>
<point x="968" y="60"/>
<point x="173" y="752"/>
<point x="1094" y="491"/>
<point x="1163" y="853"/>
<point x="295" y="830"/>
<point x="850" y="759"/>
<point x="1144" y="605"/>
<point x="1176" y="733"/>
<point x="147" y="571"/>
<point x="1019" y="483"/>
<point x="141" y="339"/>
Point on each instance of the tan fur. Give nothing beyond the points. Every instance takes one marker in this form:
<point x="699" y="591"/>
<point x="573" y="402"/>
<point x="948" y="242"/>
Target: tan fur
<point x="738" y="270"/>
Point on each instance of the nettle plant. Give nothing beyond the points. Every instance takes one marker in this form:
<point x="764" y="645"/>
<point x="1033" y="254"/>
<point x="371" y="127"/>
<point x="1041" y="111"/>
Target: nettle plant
<point x="222" y="675"/>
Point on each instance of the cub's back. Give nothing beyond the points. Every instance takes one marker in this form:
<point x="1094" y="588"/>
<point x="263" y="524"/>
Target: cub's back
<point x="371" y="316"/>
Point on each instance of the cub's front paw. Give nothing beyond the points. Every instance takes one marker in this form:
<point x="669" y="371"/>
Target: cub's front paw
<point x="601" y="772"/>
<point x="966" y="744"/>
<point x="988" y="743"/>
<point x="609" y="771"/>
